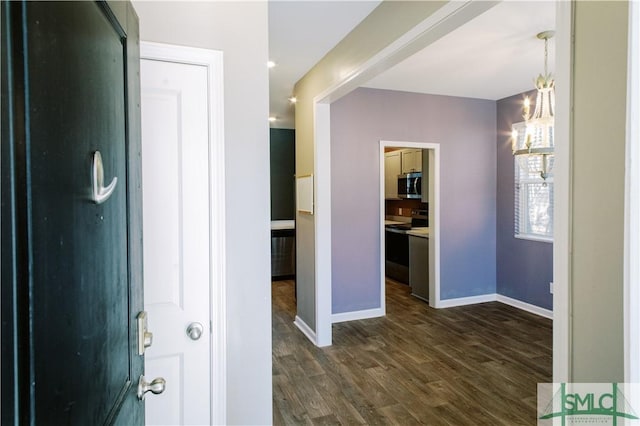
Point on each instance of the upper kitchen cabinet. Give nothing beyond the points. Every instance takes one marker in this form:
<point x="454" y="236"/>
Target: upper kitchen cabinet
<point x="392" y="168"/>
<point x="411" y="160"/>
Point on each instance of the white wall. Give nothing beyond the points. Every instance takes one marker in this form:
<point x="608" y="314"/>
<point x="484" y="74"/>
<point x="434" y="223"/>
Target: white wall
<point x="240" y="30"/>
<point x="597" y="186"/>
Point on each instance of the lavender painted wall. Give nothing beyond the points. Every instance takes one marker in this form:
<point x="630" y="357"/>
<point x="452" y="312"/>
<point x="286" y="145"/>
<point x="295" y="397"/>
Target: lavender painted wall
<point x="466" y="131"/>
<point x="524" y="268"/>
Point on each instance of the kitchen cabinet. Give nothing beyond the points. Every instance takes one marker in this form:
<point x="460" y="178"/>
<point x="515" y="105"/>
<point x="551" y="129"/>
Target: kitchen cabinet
<point x="411" y="160"/>
<point x="392" y="168"/>
<point x="419" y="266"/>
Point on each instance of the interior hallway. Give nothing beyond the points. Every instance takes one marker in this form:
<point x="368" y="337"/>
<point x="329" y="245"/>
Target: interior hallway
<point x="469" y="365"/>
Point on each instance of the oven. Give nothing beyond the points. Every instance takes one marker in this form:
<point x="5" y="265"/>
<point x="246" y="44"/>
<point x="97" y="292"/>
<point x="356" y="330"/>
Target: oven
<point x="396" y="245"/>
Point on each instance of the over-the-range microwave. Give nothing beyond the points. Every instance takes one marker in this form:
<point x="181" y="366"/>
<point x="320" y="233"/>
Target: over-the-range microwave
<point x="410" y="185"/>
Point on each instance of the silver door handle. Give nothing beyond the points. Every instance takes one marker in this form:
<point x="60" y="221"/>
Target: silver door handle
<point x="194" y="330"/>
<point x="145" y="337"/>
<point x="100" y="193"/>
<point x="156" y="386"/>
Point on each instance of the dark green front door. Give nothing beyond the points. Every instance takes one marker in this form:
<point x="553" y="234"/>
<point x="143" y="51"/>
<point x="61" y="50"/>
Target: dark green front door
<point x="75" y="270"/>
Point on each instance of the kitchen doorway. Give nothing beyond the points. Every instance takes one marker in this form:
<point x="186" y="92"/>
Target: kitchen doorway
<point x="322" y="167"/>
<point x="430" y="184"/>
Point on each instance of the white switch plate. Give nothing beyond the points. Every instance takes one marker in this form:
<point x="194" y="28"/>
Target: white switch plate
<point x="551" y="288"/>
<point x="400" y="211"/>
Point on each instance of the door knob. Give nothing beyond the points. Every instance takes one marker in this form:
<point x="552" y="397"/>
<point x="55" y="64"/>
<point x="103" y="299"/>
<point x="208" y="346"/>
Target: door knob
<point x="194" y="330"/>
<point x="156" y="386"/>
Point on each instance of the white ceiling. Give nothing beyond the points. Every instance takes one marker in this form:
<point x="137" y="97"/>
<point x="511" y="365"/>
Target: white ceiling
<point x="493" y="56"/>
<point x="300" y="33"/>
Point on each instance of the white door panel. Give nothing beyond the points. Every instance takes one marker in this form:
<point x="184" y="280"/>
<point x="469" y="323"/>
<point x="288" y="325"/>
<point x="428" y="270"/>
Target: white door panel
<point x="176" y="238"/>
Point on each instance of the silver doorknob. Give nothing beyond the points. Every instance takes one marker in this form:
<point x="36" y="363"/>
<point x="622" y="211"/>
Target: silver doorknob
<point x="156" y="386"/>
<point x="194" y="330"/>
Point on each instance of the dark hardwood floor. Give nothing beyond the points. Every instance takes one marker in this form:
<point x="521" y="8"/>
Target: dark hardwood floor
<point x="472" y="365"/>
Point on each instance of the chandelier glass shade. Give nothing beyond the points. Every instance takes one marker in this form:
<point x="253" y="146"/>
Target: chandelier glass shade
<point x="532" y="140"/>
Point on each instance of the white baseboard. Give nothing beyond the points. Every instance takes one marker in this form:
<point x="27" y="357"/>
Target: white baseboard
<point x="448" y="303"/>
<point x="484" y="298"/>
<point x="306" y="330"/>
<point x="462" y="301"/>
<point x="357" y="315"/>
<point x="525" y="306"/>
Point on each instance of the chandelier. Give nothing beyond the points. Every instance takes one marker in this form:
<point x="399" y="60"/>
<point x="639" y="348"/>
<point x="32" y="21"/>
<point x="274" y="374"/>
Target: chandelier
<point x="532" y="140"/>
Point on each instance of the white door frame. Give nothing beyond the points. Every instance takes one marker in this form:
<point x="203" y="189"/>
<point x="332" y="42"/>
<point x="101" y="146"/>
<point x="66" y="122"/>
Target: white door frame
<point x="445" y="19"/>
<point x="563" y="131"/>
<point x="212" y="60"/>
<point x="562" y="203"/>
<point x="449" y="17"/>
<point x="322" y="207"/>
<point x="632" y="205"/>
<point x="434" y="218"/>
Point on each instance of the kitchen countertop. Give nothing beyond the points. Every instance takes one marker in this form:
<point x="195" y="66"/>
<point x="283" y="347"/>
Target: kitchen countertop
<point x="283" y="224"/>
<point x="422" y="232"/>
<point x="394" y="222"/>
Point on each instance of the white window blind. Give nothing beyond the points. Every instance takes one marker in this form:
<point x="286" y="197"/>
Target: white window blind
<point x="533" y="218"/>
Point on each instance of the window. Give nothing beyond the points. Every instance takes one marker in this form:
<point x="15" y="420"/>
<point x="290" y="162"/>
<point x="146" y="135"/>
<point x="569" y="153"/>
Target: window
<point x="533" y="195"/>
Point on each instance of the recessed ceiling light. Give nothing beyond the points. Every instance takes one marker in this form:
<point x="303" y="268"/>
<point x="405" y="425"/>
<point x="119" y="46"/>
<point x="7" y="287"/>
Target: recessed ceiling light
<point x="271" y="64"/>
<point x="272" y="119"/>
<point x="293" y="99"/>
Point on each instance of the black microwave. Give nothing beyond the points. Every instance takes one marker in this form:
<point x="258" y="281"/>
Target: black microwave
<point x="410" y="185"/>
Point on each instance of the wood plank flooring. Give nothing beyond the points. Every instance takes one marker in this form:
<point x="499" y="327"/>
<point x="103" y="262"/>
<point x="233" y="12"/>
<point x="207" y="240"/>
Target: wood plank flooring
<point x="472" y="365"/>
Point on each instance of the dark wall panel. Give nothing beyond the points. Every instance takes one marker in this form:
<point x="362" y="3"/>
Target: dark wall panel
<point x="283" y="165"/>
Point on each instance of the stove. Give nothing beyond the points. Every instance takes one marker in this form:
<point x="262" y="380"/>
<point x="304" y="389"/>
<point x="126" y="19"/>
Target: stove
<point x="397" y="245"/>
<point x="400" y="226"/>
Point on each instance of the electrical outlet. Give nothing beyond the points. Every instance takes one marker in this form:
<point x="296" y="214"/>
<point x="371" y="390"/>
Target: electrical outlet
<point x="551" y="288"/>
<point x="400" y="211"/>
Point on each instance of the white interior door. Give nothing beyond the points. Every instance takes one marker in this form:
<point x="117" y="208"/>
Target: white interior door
<point x="175" y="168"/>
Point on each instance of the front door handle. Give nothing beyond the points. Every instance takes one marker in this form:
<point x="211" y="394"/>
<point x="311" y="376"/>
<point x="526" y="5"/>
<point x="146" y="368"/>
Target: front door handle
<point x="156" y="386"/>
<point x="100" y="193"/>
<point x="145" y="337"/>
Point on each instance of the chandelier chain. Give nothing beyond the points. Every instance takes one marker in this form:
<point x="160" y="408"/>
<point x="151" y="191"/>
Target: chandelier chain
<point x="546" y="42"/>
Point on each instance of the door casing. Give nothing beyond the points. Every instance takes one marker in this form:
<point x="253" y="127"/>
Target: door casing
<point x="213" y="61"/>
<point x="434" y="218"/>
